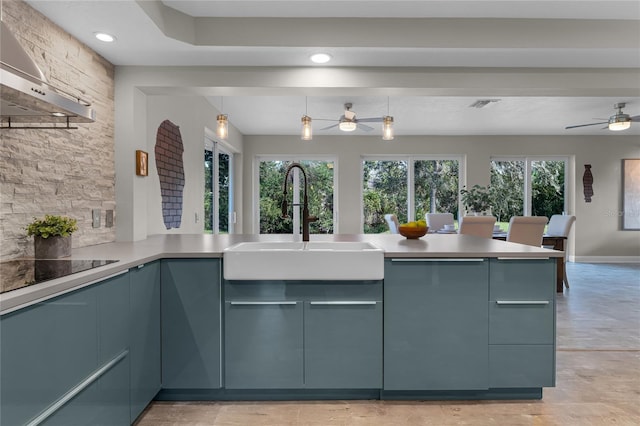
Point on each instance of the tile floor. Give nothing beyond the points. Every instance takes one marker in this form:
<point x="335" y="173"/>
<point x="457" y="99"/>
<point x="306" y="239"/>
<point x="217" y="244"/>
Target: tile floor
<point x="597" y="381"/>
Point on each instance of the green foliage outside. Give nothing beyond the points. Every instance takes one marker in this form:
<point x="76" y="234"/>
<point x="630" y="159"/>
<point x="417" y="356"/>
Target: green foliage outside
<point x="384" y="191"/>
<point x="320" y="196"/>
<point x="547" y="188"/>
<point x="52" y="226"/>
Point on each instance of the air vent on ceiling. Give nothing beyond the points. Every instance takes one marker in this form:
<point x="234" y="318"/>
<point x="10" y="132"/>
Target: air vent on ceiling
<point x="481" y="103"/>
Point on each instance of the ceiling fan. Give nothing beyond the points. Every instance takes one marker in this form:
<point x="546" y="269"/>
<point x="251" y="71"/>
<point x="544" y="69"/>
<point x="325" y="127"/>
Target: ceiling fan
<point x="348" y="121"/>
<point x="618" y="121"/>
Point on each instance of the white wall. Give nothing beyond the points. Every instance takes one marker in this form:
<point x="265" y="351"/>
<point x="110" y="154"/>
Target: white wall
<point x="597" y="230"/>
<point x="597" y="226"/>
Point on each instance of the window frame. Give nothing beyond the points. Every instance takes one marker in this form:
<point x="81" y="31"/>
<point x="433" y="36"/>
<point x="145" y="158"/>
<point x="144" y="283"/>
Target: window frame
<point x="410" y="159"/>
<point x="296" y="191"/>
<point x="528" y="167"/>
<point x="216" y="146"/>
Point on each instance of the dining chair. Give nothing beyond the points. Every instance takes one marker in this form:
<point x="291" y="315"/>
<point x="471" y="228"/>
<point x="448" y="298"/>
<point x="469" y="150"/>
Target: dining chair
<point x="480" y="226"/>
<point x="392" y="222"/>
<point x="527" y="230"/>
<point x="560" y="226"/>
<point x="437" y="221"/>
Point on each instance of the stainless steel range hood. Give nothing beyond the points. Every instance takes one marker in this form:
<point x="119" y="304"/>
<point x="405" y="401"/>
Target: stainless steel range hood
<point x="26" y="96"/>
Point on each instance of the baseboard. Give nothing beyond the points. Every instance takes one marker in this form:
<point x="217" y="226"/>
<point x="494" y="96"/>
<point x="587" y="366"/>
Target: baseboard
<point x="605" y="259"/>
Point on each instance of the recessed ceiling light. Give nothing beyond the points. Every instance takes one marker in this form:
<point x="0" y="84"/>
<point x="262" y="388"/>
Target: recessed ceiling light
<point x="107" y="38"/>
<point x="321" y="58"/>
<point x="58" y="114"/>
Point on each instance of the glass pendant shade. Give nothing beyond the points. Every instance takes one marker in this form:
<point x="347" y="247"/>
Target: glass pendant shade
<point x="307" y="133"/>
<point x="222" y="129"/>
<point x="387" y="128"/>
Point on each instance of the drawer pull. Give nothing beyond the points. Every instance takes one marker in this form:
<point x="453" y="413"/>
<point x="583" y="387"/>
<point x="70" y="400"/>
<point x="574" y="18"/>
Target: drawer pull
<point x="340" y="302"/>
<point x="263" y="303"/>
<point x="523" y="258"/>
<point x="434" y="259"/>
<point x="522" y="302"/>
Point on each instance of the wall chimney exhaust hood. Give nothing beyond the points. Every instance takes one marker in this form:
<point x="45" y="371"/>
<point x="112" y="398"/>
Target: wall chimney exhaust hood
<point x="27" y="100"/>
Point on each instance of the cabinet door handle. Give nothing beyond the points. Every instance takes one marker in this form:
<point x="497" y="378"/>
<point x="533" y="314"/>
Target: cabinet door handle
<point x="523" y="258"/>
<point x="140" y="266"/>
<point x="522" y="302"/>
<point x="345" y="302"/>
<point x="444" y="259"/>
<point x="263" y="303"/>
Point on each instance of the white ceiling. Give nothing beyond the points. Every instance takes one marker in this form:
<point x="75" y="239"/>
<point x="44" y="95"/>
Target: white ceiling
<point x="576" y="34"/>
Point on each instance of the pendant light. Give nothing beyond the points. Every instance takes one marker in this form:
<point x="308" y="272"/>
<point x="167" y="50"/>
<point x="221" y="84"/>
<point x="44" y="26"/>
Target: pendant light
<point x="387" y="125"/>
<point x="307" y="132"/>
<point x="222" y="128"/>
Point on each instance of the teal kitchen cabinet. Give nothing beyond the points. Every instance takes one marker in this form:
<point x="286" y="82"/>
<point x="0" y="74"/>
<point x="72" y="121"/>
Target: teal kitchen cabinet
<point x="522" y="323"/>
<point x="190" y="311"/>
<point x="263" y="344"/>
<point x="65" y="360"/>
<point x="436" y="324"/>
<point x="145" y="348"/>
<point x="343" y="344"/>
<point x="303" y="334"/>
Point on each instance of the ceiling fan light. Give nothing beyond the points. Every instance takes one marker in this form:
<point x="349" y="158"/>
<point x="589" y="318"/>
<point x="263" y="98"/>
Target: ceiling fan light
<point x="618" y="125"/>
<point x="222" y="129"/>
<point x="347" y="126"/>
<point x="387" y="128"/>
<point x="307" y="133"/>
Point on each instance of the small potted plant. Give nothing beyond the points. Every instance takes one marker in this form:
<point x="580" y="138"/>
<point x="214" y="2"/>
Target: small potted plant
<point x="52" y="236"/>
<point x="477" y="200"/>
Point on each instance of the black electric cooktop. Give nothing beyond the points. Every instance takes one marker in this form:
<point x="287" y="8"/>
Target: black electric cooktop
<point x="19" y="273"/>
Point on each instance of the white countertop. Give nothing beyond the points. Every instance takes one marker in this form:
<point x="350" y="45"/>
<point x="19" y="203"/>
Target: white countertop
<point x="130" y="254"/>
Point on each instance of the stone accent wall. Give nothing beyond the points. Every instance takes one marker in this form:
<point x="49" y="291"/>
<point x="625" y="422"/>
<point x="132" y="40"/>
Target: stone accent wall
<point x="170" y="167"/>
<point x="68" y="172"/>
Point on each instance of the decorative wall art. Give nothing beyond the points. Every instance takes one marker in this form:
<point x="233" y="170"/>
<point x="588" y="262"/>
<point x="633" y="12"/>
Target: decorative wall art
<point x="168" y="150"/>
<point x="142" y="163"/>
<point x="587" y="183"/>
<point x="631" y="194"/>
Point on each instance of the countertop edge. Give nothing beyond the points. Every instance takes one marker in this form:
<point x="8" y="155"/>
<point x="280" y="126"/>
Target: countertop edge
<point x="132" y="254"/>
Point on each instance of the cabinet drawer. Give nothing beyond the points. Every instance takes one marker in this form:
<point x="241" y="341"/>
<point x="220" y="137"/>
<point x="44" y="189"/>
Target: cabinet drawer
<point x="521" y="366"/>
<point x="528" y="279"/>
<point x="521" y="322"/>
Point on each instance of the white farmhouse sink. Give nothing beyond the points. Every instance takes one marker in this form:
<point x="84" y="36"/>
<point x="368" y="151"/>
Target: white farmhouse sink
<point x="315" y="260"/>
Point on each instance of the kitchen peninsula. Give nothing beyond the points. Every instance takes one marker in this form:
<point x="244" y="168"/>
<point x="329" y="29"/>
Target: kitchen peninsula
<point x="464" y="317"/>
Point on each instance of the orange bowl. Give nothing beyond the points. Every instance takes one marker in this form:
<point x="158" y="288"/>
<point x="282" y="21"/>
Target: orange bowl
<point x="413" y="232"/>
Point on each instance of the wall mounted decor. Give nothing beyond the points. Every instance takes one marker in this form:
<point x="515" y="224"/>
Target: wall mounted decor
<point x="169" y="149"/>
<point x="142" y="163"/>
<point x="587" y="183"/>
<point x="631" y="194"/>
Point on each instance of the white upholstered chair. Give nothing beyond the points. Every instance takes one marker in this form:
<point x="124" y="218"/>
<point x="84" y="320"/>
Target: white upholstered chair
<point x="437" y="221"/>
<point x="392" y="221"/>
<point x="527" y="230"/>
<point x="560" y="226"/>
<point x="480" y="226"/>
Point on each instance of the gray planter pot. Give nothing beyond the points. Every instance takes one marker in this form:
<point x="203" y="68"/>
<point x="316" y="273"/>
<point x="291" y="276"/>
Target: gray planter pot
<point x="52" y="247"/>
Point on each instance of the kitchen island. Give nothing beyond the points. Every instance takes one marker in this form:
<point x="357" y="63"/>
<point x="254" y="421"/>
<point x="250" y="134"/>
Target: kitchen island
<point x="454" y="317"/>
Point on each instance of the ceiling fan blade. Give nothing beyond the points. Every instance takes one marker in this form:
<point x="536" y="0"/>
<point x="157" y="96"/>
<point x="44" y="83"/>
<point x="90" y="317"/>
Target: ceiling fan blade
<point x="369" y="120"/>
<point x="635" y="118"/>
<point x="584" y="125"/>
<point x="323" y="119"/>
<point x="364" y="127"/>
<point x="330" y="127"/>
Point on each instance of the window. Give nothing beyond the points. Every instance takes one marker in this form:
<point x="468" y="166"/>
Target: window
<point x="528" y="186"/>
<point x="410" y="187"/>
<point x="321" y="182"/>
<point x="218" y="188"/>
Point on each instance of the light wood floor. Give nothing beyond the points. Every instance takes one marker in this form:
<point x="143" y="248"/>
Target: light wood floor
<point x="598" y="375"/>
